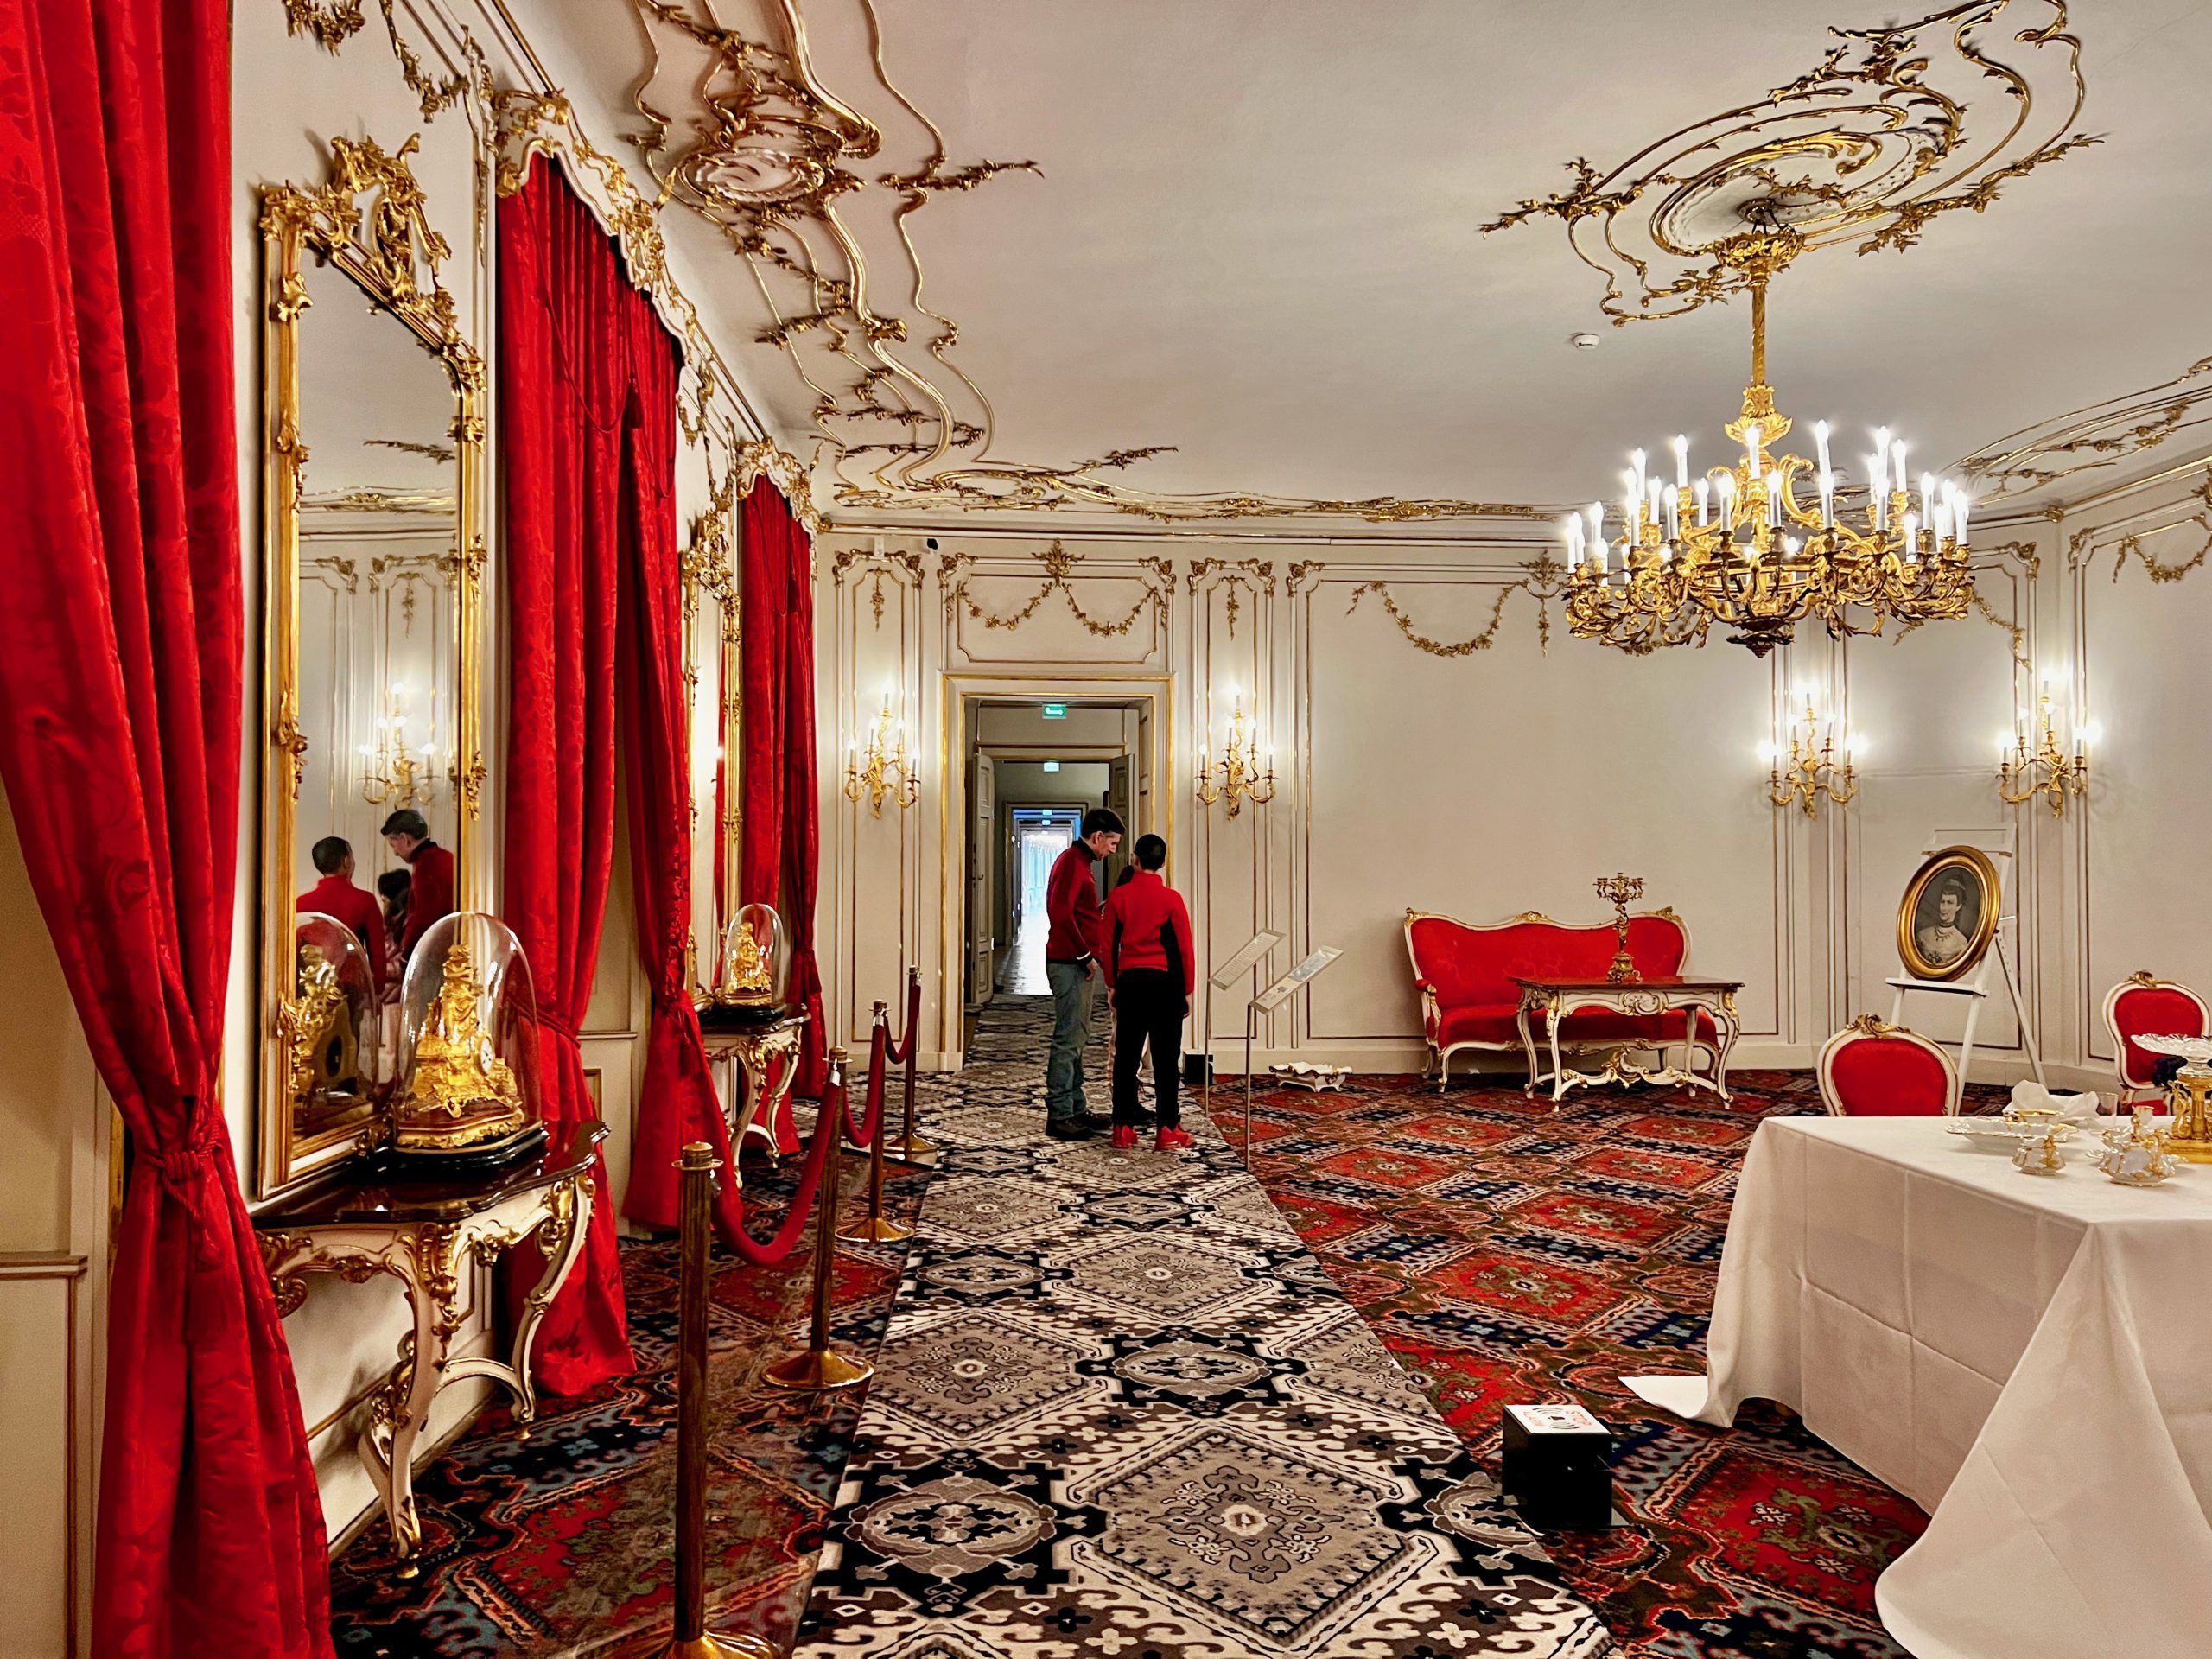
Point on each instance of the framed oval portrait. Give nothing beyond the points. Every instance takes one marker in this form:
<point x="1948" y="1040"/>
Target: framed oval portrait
<point x="1950" y="913"/>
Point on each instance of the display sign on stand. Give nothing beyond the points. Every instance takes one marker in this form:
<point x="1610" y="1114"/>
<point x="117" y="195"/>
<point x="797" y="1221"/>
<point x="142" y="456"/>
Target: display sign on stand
<point x="1267" y="1003"/>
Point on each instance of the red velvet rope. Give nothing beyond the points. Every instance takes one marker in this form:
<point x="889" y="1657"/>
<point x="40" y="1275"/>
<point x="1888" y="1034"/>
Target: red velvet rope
<point x="863" y="1134"/>
<point x="904" y="1053"/>
<point x="827" y="1122"/>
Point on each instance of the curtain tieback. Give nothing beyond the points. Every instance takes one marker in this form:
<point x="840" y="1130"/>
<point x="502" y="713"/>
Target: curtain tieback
<point x="182" y="1169"/>
<point x="560" y="1027"/>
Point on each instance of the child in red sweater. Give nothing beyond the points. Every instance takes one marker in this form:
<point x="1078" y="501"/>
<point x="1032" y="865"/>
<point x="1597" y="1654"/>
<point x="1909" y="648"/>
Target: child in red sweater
<point x="1152" y="970"/>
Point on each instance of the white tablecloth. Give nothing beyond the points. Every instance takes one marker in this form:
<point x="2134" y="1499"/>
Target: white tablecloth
<point x="2029" y="1359"/>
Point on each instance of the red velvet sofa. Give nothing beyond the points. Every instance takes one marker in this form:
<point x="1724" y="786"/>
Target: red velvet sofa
<point x="1464" y="971"/>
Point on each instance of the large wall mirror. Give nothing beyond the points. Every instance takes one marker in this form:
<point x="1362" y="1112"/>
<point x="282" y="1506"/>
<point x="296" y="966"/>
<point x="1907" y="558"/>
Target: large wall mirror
<point x="373" y="443"/>
<point x="711" y="670"/>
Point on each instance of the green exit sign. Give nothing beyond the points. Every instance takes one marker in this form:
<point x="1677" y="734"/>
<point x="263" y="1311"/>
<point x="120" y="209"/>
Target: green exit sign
<point x="1056" y="711"/>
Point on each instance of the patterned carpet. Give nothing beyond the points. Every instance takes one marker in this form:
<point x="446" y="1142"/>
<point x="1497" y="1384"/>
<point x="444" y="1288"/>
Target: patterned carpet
<point x="1504" y="1255"/>
<point x="564" y="1544"/>
<point x="1121" y="1411"/>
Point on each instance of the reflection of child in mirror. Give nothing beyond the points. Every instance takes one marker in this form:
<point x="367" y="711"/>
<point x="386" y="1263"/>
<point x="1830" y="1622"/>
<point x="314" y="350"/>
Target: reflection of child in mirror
<point x="395" y="888"/>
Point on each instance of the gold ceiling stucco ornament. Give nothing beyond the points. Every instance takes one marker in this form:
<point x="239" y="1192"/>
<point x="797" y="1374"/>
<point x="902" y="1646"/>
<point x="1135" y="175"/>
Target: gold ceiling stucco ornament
<point x="1863" y="149"/>
<point x="2095" y="438"/>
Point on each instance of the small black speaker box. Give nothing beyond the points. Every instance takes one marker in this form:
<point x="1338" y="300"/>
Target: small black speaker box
<point x="1198" y="1069"/>
<point x="1557" y="1468"/>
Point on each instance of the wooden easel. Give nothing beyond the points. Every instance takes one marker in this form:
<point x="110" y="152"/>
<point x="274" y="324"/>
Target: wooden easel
<point x="2001" y="846"/>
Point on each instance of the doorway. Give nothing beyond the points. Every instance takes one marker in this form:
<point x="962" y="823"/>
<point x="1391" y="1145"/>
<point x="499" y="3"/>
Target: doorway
<point x="1033" y="766"/>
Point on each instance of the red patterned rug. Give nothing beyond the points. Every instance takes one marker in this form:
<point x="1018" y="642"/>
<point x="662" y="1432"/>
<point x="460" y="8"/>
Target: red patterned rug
<point x="1506" y="1254"/>
<point x="563" y="1543"/>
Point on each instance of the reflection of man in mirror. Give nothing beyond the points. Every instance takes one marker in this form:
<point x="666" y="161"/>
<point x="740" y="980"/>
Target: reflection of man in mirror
<point x="429" y="873"/>
<point x="337" y="895"/>
<point x="1940" y="942"/>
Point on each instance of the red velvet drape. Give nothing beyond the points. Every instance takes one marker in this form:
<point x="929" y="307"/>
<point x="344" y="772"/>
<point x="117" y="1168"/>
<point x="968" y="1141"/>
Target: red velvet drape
<point x="119" y="746"/>
<point x="679" y="1103"/>
<point x="574" y="340"/>
<point x="779" y="857"/>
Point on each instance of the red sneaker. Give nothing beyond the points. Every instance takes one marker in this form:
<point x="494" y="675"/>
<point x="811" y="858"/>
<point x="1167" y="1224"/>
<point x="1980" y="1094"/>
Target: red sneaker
<point x="1125" y="1135"/>
<point x="1173" y="1140"/>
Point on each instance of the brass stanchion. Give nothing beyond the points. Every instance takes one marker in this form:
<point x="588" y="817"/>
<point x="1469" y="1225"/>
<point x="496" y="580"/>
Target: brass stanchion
<point x="819" y="1366"/>
<point x="909" y="1148"/>
<point x="878" y="1228"/>
<point x="692" y="1640"/>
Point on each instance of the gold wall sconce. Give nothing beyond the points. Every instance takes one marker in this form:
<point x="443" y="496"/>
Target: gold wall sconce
<point x="1813" y="769"/>
<point x="885" y="767"/>
<point x="392" y="773"/>
<point x="2044" y="767"/>
<point x="1237" y="776"/>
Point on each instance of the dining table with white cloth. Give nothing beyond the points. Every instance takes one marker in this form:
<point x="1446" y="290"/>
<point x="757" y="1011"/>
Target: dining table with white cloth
<point x="2029" y="1358"/>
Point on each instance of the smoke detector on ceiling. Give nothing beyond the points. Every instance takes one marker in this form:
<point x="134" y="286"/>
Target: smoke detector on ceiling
<point x="1583" y="342"/>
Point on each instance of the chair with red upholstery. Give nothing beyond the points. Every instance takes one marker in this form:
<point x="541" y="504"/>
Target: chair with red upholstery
<point x="1873" y="1069"/>
<point x="1464" y="972"/>
<point x="2143" y="1005"/>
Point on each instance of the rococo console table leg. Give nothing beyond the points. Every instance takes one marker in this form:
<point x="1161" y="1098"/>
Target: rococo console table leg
<point x="425" y="1261"/>
<point x="1528" y="1043"/>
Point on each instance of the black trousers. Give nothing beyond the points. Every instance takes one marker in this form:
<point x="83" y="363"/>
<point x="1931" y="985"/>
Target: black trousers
<point x="1149" y="1006"/>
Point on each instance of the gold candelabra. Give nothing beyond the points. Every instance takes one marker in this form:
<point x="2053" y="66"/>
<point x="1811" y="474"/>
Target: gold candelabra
<point x="1812" y="771"/>
<point x="1738" y="545"/>
<point x="1620" y="892"/>
<point x="2047" y="769"/>
<point x="885" y="768"/>
<point x="1237" y="775"/>
<point x="391" y="774"/>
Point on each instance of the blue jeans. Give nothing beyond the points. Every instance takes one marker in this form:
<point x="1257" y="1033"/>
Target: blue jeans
<point x="1070" y="983"/>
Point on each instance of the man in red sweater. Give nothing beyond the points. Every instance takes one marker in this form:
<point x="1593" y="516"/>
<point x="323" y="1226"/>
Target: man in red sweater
<point x="1152" y="970"/>
<point x="335" y="895"/>
<point x="1074" y="939"/>
<point x="429" y="869"/>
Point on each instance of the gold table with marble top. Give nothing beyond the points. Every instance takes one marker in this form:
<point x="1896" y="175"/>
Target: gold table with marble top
<point x="427" y="1234"/>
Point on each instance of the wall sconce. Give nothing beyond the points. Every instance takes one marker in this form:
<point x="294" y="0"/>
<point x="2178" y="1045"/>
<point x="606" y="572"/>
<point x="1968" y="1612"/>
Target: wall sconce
<point x="392" y="774"/>
<point x="885" y="767"/>
<point x="2045" y="769"/>
<point x="1237" y="774"/>
<point x="1813" y="771"/>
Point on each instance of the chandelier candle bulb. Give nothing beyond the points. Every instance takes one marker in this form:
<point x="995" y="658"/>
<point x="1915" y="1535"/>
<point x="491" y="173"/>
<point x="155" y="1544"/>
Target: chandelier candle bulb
<point x="1821" y="444"/>
<point x="1681" y="462"/>
<point x="1703" y="492"/>
<point x="1674" y="512"/>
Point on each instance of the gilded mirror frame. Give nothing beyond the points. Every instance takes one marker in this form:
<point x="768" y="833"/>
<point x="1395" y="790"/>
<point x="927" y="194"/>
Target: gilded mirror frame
<point x="368" y="221"/>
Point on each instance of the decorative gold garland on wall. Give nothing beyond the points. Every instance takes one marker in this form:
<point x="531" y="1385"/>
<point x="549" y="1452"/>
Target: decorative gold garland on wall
<point x="1540" y="579"/>
<point x="1058" y="564"/>
<point x="2082" y="546"/>
<point x="331" y="23"/>
<point x="1255" y="576"/>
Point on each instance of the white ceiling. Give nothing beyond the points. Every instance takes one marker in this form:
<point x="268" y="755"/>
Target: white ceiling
<point x="1255" y="238"/>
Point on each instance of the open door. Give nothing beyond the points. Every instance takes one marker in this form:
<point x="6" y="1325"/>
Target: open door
<point x="1121" y="800"/>
<point x="982" y="825"/>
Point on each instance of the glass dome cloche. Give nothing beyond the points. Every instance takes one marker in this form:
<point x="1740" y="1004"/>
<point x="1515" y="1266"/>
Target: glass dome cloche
<point x="467" y="1098"/>
<point x="752" y="974"/>
<point x="330" y="1026"/>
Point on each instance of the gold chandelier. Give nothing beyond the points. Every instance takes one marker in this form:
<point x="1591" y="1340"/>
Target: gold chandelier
<point x="1759" y="546"/>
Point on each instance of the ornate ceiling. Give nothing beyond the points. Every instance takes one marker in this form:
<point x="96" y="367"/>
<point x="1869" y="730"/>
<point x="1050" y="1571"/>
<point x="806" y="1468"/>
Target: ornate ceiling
<point x="1282" y="259"/>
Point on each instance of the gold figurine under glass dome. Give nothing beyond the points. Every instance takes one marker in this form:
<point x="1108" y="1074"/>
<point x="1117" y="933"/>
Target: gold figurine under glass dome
<point x="467" y="1101"/>
<point x="753" y="969"/>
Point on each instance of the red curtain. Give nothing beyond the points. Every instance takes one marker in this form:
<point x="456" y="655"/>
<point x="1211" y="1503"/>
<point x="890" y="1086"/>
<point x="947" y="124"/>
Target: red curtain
<point x="119" y="746"/>
<point x="780" y="854"/>
<point x="679" y="1103"/>
<point x="575" y="337"/>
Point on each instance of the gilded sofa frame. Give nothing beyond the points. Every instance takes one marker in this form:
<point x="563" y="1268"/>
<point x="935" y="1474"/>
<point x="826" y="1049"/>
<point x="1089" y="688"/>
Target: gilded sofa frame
<point x="1440" y="1060"/>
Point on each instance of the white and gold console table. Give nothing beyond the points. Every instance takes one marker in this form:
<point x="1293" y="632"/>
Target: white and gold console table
<point x="1652" y="999"/>
<point x="752" y="1045"/>
<point x="427" y="1234"/>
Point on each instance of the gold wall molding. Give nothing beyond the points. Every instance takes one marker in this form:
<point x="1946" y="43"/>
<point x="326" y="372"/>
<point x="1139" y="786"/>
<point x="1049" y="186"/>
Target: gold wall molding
<point x="1866" y="148"/>
<point x="2179" y="520"/>
<point x="1255" y="576"/>
<point x="2095" y="438"/>
<point x="885" y="562"/>
<point x="2031" y="564"/>
<point x="1158" y="576"/>
<point x="1540" y="579"/>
